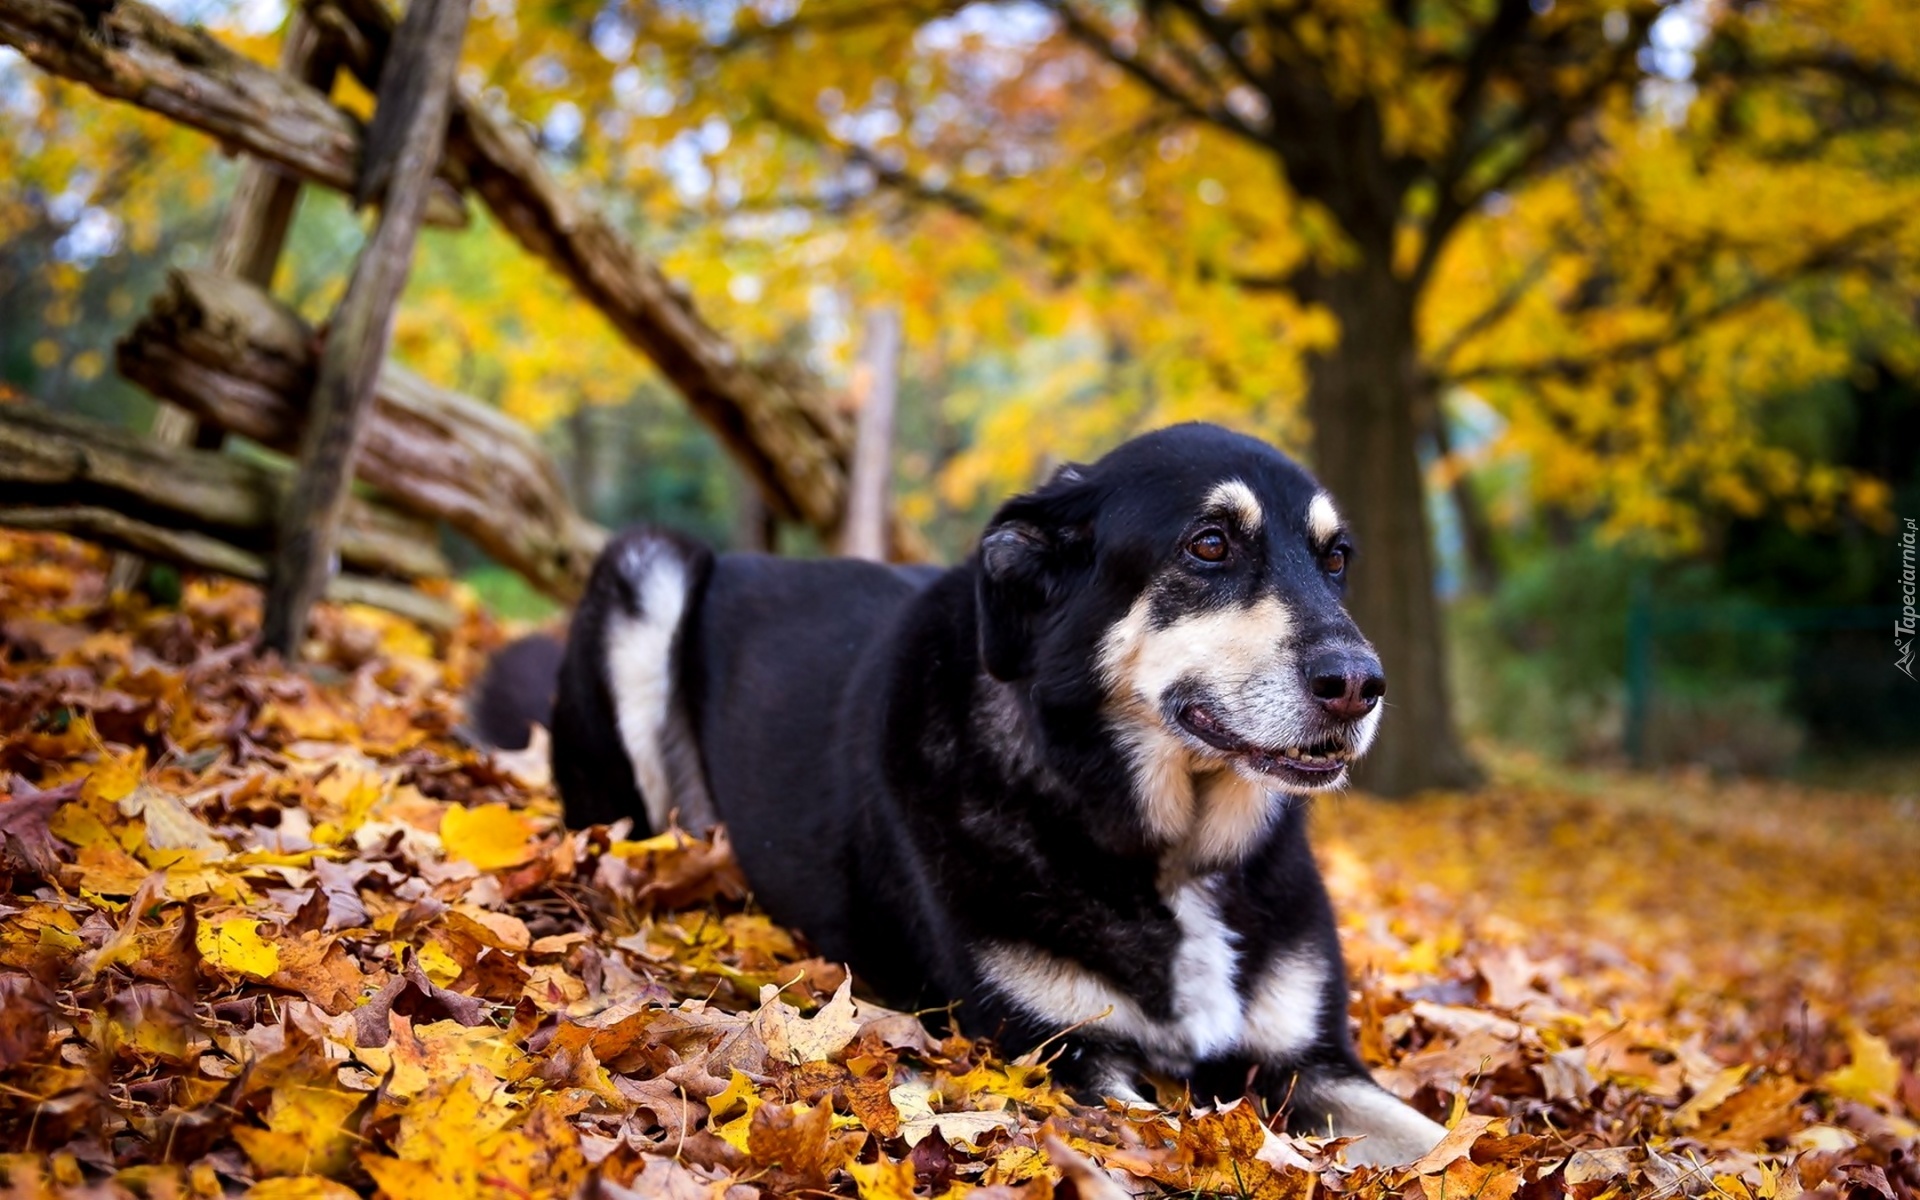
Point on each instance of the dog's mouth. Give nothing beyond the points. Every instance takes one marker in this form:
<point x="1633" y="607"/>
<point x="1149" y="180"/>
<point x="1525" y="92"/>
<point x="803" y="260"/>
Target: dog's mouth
<point x="1314" y="764"/>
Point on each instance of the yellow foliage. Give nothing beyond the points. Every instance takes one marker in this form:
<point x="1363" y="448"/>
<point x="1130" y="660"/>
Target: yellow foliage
<point x="1873" y="1077"/>
<point x="234" y="944"/>
<point x="491" y="836"/>
<point x="1102" y="293"/>
<point x="307" y="1130"/>
<point x="455" y="1141"/>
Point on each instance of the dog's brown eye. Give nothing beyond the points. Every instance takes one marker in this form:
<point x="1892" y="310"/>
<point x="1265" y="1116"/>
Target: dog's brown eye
<point x="1334" y="561"/>
<point x="1209" y="545"/>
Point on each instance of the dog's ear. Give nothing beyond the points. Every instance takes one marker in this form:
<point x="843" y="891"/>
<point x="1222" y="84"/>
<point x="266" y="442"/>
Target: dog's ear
<point x="1025" y="556"/>
<point x="1014" y="560"/>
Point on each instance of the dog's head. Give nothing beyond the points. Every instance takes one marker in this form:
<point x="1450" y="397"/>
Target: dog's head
<point x="1189" y="585"/>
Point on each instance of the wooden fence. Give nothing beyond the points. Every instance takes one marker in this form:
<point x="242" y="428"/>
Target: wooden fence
<point x="223" y="356"/>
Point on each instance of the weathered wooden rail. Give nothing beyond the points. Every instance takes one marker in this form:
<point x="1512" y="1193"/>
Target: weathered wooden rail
<point x="794" y="442"/>
<point x="235" y="358"/>
<point x="198" y="508"/>
<point x="218" y="348"/>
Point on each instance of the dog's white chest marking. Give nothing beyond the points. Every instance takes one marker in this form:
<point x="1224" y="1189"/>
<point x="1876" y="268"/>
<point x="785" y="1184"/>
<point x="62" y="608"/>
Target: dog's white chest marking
<point x="1278" y="1017"/>
<point x="1206" y="1002"/>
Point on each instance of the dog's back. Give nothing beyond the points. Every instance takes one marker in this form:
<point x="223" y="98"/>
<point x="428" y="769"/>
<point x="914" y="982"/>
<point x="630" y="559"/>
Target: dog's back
<point x="783" y="676"/>
<point x="688" y="676"/>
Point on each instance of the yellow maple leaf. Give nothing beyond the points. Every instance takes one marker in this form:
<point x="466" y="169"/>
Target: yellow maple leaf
<point x="418" y="1055"/>
<point x="455" y="1141"/>
<point x="105" y="869"/>
<point x="883" y="1180"/>
<point x="796" y="1039"/>
<point x="115" y="778"/>
<point x="306" y="1131"/>
<point x="79" y="825"/>
<point x="1874" y="1074"/>
<point x="1715" y="1093"/>
<point x="234" y="944"/>
<point x="740" y="1094"/>
<point x="440" y="966"/>
<point x="491" y="837"/>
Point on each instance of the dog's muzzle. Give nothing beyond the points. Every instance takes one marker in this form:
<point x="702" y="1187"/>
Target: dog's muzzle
<point x="1339" y="689"/>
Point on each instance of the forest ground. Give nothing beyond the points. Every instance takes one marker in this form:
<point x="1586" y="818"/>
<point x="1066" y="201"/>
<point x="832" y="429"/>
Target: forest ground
<point x="286" y="933"/>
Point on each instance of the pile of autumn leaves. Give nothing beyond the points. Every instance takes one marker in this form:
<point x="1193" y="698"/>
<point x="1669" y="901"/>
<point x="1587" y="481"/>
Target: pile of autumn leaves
<point x="287" y="934"/>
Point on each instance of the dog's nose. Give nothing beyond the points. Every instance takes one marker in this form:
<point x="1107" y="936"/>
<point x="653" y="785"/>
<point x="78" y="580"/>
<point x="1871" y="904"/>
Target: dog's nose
<point x="1346" y="682"/>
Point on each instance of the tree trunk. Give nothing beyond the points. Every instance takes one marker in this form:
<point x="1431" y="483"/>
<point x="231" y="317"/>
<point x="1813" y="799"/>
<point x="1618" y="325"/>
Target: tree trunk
<point x="1363" y="404"/>
<point x="863" y="532"/>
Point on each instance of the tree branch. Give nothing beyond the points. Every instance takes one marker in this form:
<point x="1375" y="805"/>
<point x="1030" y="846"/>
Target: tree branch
<point x="1552" y="116"/>
<point x="1838" y="254"/>
<point x="1875" y="77"/>
<point x="1485" y="320"/>
<point x="138" y="55"/>
<point x="1089" y="33"/>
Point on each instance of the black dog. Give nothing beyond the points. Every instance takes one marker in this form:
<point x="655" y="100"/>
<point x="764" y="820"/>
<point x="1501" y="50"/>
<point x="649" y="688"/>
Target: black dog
<point x="1061" y="783"/>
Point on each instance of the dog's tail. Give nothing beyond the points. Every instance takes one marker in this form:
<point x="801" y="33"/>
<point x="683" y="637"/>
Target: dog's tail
<point x="516" y="692"/>
<point x="623" y="737"/>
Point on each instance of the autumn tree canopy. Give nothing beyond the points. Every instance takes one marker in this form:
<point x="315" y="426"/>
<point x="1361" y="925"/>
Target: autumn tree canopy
<point x="1624" y="229"/>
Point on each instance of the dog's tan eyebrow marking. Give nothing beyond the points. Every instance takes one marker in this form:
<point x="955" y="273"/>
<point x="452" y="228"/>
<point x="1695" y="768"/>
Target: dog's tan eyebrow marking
<point x="1323" y="519"/>
<point x="1237" y="498"/>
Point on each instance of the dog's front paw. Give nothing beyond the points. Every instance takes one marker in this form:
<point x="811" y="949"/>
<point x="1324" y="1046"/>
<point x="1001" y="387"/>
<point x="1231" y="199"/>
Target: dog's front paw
<point x="1391" y="1133"/>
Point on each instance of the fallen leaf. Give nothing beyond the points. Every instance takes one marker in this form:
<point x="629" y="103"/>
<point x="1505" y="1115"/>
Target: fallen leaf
<point x="1764" y="1111"/>
<point x="796" y="1039"/>
<point x="170" y="824"/>
<point x="1088" y="1180"/>
<point x="1873" y="1075"/>
<point x="234" y="944"/>
<point x="492" y="837"/>
<point x="1689" y="1115"/>
<point x="24" y="835"/>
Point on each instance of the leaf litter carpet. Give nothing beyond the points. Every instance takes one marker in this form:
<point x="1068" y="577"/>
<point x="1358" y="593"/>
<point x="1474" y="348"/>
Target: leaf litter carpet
<point x="287" y="934"/>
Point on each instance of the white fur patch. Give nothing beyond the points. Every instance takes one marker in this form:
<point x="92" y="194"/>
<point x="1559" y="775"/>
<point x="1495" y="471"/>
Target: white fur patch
<point x="1067" y="995"/>
<point x="640" y="675"/>
<point x="1283" y="1014"/>
<point x="1207" y="1019"/>
<point x="1237" y="498"/>
<point x="1205" y="1001"/>
<point x="1323" y="519"/>
<point x="1392" y="1133"/>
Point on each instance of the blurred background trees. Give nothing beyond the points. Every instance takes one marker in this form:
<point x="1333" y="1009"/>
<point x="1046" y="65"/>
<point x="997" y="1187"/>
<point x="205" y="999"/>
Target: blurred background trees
<point x="1598" y="315"/>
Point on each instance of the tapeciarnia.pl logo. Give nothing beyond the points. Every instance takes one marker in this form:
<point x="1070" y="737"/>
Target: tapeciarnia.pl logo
<point x="1904" y="624"/>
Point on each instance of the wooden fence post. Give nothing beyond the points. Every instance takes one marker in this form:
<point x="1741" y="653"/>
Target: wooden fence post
<point x="252" y="235"/>
<point x="863" y="530"/>
<point x="402" y="154"/>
